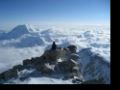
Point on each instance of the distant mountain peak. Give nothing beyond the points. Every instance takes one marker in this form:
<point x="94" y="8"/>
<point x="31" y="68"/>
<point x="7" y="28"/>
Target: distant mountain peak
<point x="16" y="32"/>
<point x="20" y="28"/>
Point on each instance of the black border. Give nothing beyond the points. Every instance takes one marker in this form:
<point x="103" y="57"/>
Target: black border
<point x="65" y="86"/>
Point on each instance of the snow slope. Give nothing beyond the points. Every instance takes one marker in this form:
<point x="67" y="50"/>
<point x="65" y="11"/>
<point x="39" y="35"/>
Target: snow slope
<point x="26" y="41"/>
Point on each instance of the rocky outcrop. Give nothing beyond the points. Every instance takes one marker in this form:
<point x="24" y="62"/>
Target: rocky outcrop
<point x="82" y="67"/>
<point x="72" y="48"/>
<point x="19" y="67"/>
<point x="69" y="68"/>
<point x="11" y="73"/>
<point x="48" y="64"/>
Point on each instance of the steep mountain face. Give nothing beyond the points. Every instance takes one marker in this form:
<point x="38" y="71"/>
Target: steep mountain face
<point x="15" y="33"/>
<point x="94" y="66"/>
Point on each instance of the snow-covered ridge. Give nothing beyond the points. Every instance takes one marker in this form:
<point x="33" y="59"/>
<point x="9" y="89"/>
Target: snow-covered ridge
<point x="92" y="67"/>
<point x="26" y="41"/>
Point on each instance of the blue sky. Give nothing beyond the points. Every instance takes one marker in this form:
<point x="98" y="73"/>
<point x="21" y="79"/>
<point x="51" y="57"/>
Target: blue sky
<point x="54" y="11"/>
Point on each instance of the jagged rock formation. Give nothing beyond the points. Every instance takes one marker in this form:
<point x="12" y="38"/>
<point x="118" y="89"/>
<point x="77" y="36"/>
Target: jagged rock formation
<point x="83" y="67"/>
<point x="49" y="64"/>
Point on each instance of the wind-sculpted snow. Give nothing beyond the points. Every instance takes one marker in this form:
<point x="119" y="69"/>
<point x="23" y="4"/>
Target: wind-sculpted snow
<point x="94" y="66"/>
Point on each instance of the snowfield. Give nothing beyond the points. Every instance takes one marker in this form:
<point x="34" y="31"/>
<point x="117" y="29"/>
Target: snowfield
<point x="26" y="41"/>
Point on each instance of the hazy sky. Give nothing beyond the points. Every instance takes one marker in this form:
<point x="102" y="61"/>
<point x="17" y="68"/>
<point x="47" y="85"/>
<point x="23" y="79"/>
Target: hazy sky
<point x="54" y="11"/>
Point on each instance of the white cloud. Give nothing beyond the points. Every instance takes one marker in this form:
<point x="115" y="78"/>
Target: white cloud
<point x="12" y="56"/>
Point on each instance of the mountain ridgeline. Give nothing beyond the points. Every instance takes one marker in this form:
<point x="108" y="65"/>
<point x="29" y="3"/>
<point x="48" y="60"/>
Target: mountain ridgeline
<point x="83" y="67"/>
<point x="15" y="33"/>
<point x="81" y="54"/>
<point x="23" y="36"/>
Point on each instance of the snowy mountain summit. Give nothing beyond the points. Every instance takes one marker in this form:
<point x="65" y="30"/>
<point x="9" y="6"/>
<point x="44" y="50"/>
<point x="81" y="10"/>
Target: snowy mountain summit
<point x="29" y="46"/>
<point x="15" y="33"/>
<point x="62" y="63"/>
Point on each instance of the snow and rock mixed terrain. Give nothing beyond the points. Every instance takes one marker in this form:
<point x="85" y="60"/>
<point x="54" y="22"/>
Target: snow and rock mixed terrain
<point x="27" y="41"/>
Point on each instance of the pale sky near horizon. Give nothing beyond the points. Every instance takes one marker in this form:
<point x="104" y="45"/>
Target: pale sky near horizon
<point x="13" y="12"/>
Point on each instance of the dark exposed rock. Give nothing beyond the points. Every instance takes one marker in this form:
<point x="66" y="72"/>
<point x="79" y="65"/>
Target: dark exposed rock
<point x="27" y="63"/>
<point x="19" y="67"/>
<point x="11" y="73"/>
<point x="1" y="76"/>
<point x="52" y="55"/>
<point x="47" y="63"/>
<point x="74" y="56"/>
<point x="72" y="48"/>
<point x="37" y="60"/>
<point x="45" y="68"/>
<point x="68" y="67"/>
